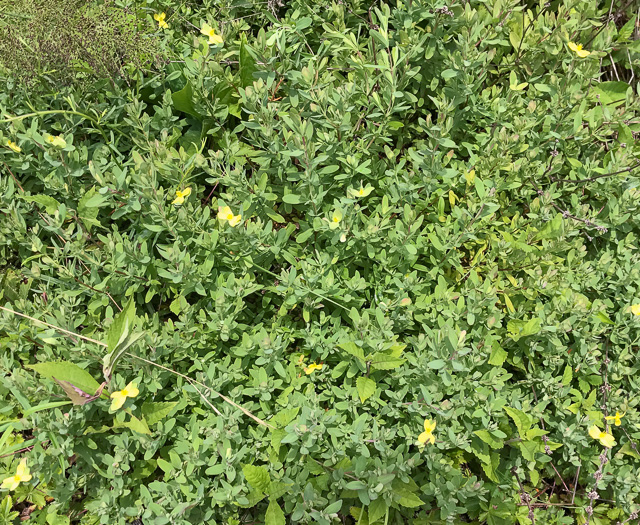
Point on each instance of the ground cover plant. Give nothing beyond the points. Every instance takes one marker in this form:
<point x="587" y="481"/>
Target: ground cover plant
<point x="344" y="261"/>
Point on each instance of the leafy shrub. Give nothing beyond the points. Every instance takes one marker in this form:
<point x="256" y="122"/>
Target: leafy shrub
<point x="289" y="250"/>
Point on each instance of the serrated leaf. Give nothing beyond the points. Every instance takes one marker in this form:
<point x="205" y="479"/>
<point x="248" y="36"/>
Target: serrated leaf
<point x="380" y="361"/>
<point x="257" y="477"/>
<point x="377" y="509"/>
<point x="490" y="468"/>
<point x="274" y="514"/>
<point x="489" y="439"/>
<point x="498" y="355"/>
<point x="49" y="203"/>
<point x="366" y="388"/>
<point x="153" y="412"/>
<point x="135" y="424"/>
<point x="410" y="500"/>
<point x="523" y="421"/>
<point x="567" y="376"/>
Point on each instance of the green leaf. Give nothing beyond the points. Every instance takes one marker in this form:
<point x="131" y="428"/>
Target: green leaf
<point x="257" y="477"/>
<point x="247" y="63"/>
<point x="274" y="514"/>
<point x="50" y="204"/>
<point x="523" y="421"/>
<point x="410" y="500"/>
<point x="135" y="424"/>
<point x="70" y="372"/>
<point x="119" y="338"/>
<point x="153" y="412"/>
<point x="611" y="92"/>
<point x="491" y="468"/>
<point x="183" y="101"/>
<point x="552" y="229"/>
<point x="290" y="198"/>
<point x="567" y="376"/>
<point x="334" y="507"/>
<point x="381" y="361"/>
<point x="498" y="355"/>
<point x="366" y="388"/>
<point x="489" y="439"/>
<point x="377" y="509"/>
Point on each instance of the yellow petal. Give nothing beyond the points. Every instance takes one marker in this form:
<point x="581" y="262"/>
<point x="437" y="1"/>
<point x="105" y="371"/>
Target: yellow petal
<point x="594" y="432"/>
<point x="573" y="47"/>
<point x="607" y="440"/>
<point x="118" y="399"/>
<point x="186" y="192"/>
<point x="235" y="220"/>
<point x="635" y="309"/>
<point x="224" y="212"/>
<point x="206" y="29"/>
<point x="14" y="146"/>
<point x="163" y="25"/>
<point x="11" y="483"/>
<point x="429" y="425"/>
<point x="132" y="389"/>
<point x="583" y="53"/>
<point x="22" y="469"/>
<point x="215" y="39"/>
<point x="179" y="200"/>
<point x="424" y="437"/>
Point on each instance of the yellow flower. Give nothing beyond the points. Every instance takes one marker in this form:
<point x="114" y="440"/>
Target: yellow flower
<point x="22" y="474"/>
<point x="427" y="435"/>
<point x="635" y="309"/>
<point x="310" y="369"/>
<point x="606" y="439"/>
<point x="209" y="31"/>
<point x="225" y="214"/>
<point x="336" y="217"/>
<point x="57" y="142"/>
<point x="361" y="192"/>
<point x="616" y="419"/>
<point x="577" y="49"/>
<point x="14" y="146"/>
<point x="181" y="196"/>
<point x="160" y="19"/>
<point x="119" y="397"/>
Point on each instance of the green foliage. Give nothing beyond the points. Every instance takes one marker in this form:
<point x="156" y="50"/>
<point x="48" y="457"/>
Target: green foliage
<point x="48" y="42"/>
<point x="281" y="254"/>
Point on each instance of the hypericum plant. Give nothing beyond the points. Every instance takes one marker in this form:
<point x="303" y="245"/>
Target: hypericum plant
<point x="347" y="263"/>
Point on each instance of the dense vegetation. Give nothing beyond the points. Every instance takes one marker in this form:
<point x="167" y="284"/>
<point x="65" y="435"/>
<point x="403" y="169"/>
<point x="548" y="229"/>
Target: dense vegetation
<point x="332" y="261"/>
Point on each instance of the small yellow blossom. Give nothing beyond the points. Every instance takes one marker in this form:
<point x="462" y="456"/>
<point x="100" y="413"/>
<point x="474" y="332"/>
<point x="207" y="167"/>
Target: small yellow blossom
<point x="57" y="142"/>
<point x="13" y="146"/>
<point x="22" y="474"/>
<point x="336" y="217"/>
<point x="635" y="309"/>
<point x="209" y="31"/>
<point x="577" y="49"/>
<point x="160" y="18"/>
<point x="606" y="439"/>
<point x="119" y="397"/>
<point x="360" y="192"/>
<point x="312" y="367"/>
<point x="616" y="419"/>
<point x="181" y="196"/>
<point x="427" y="435"/>
<point x="225" y="214"/>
